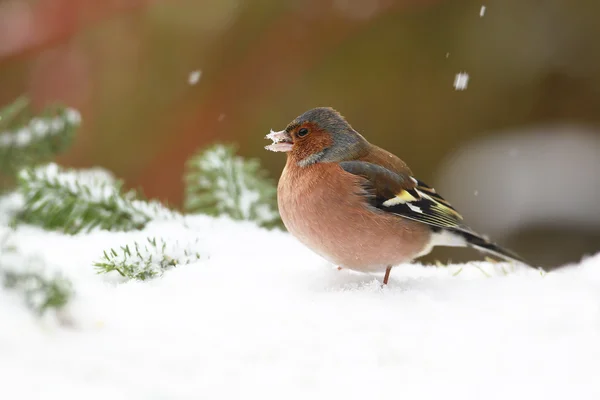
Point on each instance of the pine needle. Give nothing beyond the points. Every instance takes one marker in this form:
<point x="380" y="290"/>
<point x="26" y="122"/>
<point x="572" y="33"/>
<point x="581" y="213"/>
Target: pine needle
<point x="27" y="139"/>
<point x="482" y="271"/>
<point x="73" y="201"/>
<point x="220" y="183"/>
<point x="40" y="291"/>
<point x="147" y="260"/>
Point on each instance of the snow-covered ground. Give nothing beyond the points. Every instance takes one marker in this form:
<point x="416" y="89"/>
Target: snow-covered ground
<point x="261" y="317"/>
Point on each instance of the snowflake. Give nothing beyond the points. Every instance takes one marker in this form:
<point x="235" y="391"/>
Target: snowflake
<point x="461" y="80"/>
<point x="194" y="77"/>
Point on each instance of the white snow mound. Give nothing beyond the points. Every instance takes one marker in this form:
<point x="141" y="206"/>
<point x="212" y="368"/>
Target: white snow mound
<point x="260" y="316"/>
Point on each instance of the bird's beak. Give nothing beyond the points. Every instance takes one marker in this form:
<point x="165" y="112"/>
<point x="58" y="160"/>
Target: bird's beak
<point x="282" y="141"/>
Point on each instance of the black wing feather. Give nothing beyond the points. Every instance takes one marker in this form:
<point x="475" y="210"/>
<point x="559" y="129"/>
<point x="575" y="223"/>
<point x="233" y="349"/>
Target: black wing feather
<point x="405" y="196"/>
<point x="410" y="198"/>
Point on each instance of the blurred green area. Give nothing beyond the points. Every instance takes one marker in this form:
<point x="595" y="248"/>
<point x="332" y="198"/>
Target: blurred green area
<point x="388" y="66"/>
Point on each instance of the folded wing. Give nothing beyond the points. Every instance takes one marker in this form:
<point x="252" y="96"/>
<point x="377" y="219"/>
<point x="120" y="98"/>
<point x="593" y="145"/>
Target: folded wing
<point x="410" y="198"/>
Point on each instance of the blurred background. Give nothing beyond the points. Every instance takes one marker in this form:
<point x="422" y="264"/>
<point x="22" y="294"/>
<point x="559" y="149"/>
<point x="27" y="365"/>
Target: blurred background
<point x="517" y="150"/>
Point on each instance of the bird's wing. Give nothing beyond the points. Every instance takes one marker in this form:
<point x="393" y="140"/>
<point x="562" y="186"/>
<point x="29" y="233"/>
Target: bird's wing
<point x="377" y="155"/>
<point x="406" y="196"/>
<point x="403" y="195"/>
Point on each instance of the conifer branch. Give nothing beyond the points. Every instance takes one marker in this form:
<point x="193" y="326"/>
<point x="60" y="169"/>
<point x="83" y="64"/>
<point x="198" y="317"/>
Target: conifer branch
<point x="73" y="201"/>
<point x="146" y="260"/>
<point x="40" y="290"/>
<point x="40" y="293"/>
<point x="28" y="140"/>
<point x="220" y="183"/>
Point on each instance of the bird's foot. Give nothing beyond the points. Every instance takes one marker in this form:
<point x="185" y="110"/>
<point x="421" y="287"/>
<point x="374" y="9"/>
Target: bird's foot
<point x="386" y="276"/>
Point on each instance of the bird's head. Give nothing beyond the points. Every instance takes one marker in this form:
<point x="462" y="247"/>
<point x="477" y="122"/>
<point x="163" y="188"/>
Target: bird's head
<point x="318" y="135"/>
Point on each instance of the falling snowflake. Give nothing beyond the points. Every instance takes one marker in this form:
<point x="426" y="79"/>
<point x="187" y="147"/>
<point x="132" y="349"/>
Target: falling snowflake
<point x="482" y="11"/>
<point x="461" y="80"/>
<point x="194" y="77"/>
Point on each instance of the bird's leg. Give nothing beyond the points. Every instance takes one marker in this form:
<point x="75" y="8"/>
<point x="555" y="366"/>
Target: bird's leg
<point x="387" y="275"/>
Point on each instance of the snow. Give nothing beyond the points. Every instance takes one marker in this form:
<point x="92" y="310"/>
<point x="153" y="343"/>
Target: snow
<point x="100" y="181"/>
<point x="149" y="258"/>
<point x="260" y="316"/>
<point x="40" y="127"/>
<point x="194" y="77"/>
<point x="461" y="80"/>
<point x="92" y="186"/>
<point x="239" y="192"/>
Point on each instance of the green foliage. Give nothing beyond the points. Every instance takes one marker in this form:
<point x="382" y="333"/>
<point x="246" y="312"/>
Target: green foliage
<point x="27" y="140"/>
<point x="145" y="261"/>
<point x="73" y="201"/>
<point x="220" y="183"/>
<point x="40" y="291"/>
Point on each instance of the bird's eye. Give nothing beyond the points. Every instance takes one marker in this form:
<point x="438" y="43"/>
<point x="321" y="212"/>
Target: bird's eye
<point x="302" y="132"/>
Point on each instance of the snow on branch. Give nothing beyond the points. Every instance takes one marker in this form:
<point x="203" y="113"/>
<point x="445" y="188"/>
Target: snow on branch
<point x="40" y="290"/>
<point x="218" y="182"/>
<point x="73" y="201"/>
<point x="147" y="260"/>
<point x="27" y="140"/>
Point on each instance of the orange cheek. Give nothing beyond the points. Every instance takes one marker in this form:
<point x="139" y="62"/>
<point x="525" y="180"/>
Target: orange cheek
<point x="314" y="143"/>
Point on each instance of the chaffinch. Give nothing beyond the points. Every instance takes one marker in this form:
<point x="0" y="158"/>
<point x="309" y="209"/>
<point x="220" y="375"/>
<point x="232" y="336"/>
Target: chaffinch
<point x="357" y="205"/>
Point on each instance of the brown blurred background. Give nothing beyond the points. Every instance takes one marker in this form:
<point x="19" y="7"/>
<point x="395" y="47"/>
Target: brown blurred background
<point x="518" y="151"/>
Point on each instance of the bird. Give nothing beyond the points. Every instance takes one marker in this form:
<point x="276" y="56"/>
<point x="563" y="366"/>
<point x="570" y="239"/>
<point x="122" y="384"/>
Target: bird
<point x="359" y="206"/>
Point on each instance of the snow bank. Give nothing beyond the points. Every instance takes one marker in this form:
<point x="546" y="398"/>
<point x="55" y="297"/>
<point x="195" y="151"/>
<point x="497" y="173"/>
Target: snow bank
<point x="259" y="316"/>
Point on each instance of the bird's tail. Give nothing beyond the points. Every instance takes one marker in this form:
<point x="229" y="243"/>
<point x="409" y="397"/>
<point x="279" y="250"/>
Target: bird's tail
<point x="485" y="246"/>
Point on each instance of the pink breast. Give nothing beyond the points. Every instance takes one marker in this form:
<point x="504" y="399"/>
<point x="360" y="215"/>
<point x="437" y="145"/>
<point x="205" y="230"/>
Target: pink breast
<point x="322" y="207"/>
